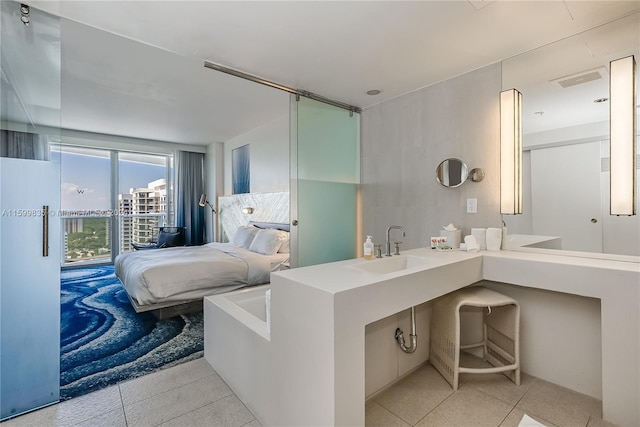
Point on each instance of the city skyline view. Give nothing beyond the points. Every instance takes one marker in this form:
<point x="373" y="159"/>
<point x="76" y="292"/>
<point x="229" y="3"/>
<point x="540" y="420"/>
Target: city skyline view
<point x="86" y="201"/>
<point x="85" y="179"/>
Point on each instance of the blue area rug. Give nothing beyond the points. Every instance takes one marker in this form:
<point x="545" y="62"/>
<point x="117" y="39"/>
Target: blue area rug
<point x="104" y="341"/>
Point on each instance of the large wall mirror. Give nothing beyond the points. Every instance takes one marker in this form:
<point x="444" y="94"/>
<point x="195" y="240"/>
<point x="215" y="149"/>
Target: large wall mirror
<point x="565" y="87"/>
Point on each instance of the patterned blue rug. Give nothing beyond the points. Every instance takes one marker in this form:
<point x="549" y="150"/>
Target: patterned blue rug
<point x="104" y="341"/>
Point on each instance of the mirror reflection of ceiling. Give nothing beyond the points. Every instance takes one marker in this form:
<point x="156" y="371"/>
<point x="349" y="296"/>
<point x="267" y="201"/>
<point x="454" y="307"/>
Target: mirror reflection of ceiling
<point x="149" y="80"/>
<point x="560" y="82"/>
<point x="27" y="102"/>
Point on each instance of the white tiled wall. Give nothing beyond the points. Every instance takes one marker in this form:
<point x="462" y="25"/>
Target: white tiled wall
<point x="404" y="139"/>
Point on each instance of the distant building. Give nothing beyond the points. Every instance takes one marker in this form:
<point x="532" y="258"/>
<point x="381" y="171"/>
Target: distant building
<point x="125" y="202"/>
<point x="148" y="209"/>
<point x="74" y="225"/>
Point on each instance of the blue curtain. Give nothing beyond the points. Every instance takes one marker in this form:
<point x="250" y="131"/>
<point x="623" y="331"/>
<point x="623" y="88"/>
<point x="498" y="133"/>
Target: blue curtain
<point x="240" y="170"/>
<point x="23" y="145"/>
<point x="189" y="185"/>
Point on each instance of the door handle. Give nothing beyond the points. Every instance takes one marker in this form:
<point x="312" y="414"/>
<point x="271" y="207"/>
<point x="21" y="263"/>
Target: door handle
<point x="45" y="231"/>
<point x="294" y="222"/>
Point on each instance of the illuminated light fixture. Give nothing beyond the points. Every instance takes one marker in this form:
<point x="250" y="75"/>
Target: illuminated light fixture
<point x="510" y="152"/>
<point x="622" y="131"/>
<point x="247" y="210"/>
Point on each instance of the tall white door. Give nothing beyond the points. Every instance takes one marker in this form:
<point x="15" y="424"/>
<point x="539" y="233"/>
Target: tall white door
<point x="29" y="285"/>
<point x="565" y="192"/>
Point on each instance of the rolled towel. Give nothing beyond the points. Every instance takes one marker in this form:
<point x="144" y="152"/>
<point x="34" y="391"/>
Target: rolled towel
<point x="472" y="244"/>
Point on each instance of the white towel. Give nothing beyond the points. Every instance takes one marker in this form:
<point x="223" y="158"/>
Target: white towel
<point x="480" y="234"/>
<point x="527" y="421"/>
<point x="472" y="244"/>
<point x="494" y="239"/>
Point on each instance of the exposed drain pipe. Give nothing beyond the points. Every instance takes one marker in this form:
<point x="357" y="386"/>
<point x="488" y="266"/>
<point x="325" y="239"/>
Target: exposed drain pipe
<point x="412" y="335"/>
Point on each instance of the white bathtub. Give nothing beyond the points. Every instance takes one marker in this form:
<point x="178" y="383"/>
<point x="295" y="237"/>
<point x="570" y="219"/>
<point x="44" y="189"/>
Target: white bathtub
<point x="247" y="306"/>
<point x="237" y="344"/>
<point x="251" y="300"/>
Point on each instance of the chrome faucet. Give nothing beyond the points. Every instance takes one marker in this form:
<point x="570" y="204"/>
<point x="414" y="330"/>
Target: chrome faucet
<point x="397" y="227"/>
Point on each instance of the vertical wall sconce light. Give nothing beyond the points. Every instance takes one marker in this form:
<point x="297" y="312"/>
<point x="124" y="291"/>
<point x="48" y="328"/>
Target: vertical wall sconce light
<point x="510" y="152"/>
<point x="622" y="132"/>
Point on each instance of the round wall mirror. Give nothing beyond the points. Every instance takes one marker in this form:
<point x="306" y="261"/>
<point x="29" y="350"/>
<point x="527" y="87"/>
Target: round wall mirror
<point x="452" y="173"/>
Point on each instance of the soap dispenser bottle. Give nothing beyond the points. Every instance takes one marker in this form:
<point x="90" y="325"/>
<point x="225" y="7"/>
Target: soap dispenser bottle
<point x="368" y="248"/>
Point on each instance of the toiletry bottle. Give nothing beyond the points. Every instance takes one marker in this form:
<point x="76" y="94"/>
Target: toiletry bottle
<point x="368" y="248"/>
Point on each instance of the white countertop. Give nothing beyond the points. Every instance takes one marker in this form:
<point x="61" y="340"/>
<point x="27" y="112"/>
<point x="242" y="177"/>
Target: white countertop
<point x="343" y="276"/>
<point x="332" y="303"/>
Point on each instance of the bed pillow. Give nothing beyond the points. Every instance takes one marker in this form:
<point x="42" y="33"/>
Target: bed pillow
<point x="243" y="236"/>
<point x="267" y="242"/>
<point x="285" y="247"/>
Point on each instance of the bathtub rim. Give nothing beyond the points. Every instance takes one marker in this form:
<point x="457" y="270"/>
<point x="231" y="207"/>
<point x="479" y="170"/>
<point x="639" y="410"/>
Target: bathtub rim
<point x="228" y="303"/>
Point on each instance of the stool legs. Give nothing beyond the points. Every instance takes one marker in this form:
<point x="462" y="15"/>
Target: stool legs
<point x="501" y="334"/>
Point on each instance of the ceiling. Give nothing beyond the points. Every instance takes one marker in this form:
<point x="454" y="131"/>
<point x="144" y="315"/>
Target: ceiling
<point x="135" y="68"/>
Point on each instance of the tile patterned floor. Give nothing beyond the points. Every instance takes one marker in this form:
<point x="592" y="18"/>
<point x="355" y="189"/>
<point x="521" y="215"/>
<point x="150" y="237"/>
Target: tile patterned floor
<point x="424" y="399"/>
<point x="192" y="394"/>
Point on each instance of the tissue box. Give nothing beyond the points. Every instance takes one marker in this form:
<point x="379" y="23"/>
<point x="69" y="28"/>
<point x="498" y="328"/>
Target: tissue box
<point x="453" y="237"/>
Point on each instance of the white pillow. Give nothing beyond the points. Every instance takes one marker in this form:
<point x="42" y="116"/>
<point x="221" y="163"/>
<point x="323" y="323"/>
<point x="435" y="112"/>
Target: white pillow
<point x="267" y="242"/>
<point x="285" y="247"/>
<point x="243" y="236"/>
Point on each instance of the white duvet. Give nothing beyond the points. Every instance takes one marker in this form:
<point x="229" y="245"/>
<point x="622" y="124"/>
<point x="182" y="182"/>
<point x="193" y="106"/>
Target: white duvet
<point x="189" y="272"/>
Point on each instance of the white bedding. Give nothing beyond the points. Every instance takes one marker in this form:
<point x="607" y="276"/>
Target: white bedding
<point x="190" y="272"/>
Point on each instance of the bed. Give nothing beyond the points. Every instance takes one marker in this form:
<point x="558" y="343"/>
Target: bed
<point x="179" y="277"/>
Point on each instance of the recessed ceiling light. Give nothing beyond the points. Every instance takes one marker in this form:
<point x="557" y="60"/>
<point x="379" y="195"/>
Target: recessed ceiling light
<point x="599" y="100"/>
<point x="374" y="92"/>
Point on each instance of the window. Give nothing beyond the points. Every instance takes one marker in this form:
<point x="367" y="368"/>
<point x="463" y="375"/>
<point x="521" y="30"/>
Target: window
<point x="110" y="199"/>
<point x="143" y="204"/>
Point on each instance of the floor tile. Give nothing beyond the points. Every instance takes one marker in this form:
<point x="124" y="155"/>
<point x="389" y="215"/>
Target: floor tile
<point x="254" y="423"/>
<point x="226" y="412"/>
<point x="599" y="422"/>
<point x="467" y="407"/>
<point x="498" y="386"/>
<point x="73" y="411"/>
<point x="158" y="382"/>
<point x="176" y="402"/>
<point x="377" y="416"/>
<point x="114" y="418"/>
<point x="559" y="405"/>
<point x="514" y="418"/>
<point x="415" y="395"/>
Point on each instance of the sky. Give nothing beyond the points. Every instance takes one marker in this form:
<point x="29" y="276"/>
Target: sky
<point x="85" y="180"/>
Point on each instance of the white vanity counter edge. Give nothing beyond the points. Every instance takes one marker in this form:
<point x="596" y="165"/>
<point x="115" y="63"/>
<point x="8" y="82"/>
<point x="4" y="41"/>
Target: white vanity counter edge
<point x="315" y="359"/>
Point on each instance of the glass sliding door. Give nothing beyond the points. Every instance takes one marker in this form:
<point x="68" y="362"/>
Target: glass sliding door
<point x="30" y="204"/>
<point x="325" y="173"/>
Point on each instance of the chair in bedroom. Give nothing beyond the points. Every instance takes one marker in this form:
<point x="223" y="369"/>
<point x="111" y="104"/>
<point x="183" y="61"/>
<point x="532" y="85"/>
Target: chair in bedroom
<point x="167" y="238"/>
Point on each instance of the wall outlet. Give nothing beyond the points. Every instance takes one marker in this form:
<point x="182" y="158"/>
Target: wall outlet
<point x="472" y="206"/>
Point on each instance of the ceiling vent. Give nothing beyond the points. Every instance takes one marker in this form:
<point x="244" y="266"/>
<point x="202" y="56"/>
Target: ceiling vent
<point x="581" y="77"/>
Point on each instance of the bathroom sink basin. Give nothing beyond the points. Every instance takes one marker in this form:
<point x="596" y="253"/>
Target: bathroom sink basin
<point x="392" y="264"/>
